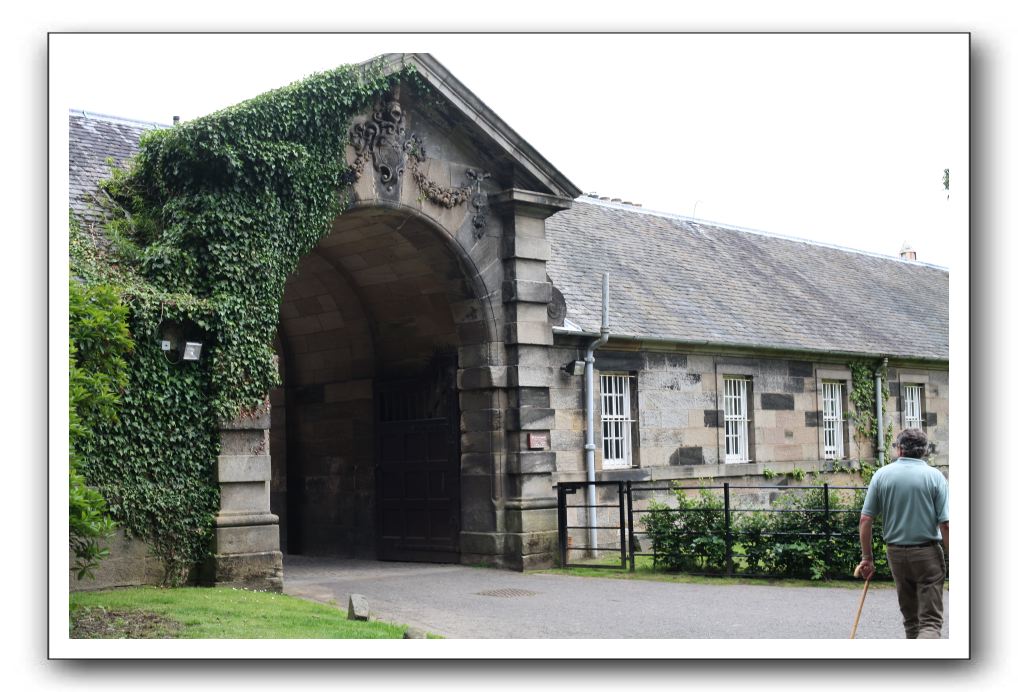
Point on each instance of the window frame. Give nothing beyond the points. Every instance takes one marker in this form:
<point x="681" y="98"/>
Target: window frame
<point x="832" y="419"/>
<point x="740" y="423"/>
<point x="618" y="411"/>
<point x="907" y="403"/>
<point x="831" y="373"/>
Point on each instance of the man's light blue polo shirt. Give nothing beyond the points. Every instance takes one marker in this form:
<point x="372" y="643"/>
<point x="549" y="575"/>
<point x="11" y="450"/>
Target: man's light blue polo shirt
<point x="911" y="496"/>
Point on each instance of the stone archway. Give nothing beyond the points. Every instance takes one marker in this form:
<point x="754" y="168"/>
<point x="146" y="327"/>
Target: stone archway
<point x="373" y="324"/>
<point x="443" y="251"/>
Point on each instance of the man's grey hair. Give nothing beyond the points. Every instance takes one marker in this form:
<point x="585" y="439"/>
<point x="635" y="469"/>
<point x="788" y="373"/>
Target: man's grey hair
<point x="913" y="443"/>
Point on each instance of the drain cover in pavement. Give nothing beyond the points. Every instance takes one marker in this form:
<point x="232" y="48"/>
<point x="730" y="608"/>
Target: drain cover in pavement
<point x="507" y="593"/>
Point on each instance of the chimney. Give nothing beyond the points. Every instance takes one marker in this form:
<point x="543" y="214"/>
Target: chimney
<point x="907" y="252"/>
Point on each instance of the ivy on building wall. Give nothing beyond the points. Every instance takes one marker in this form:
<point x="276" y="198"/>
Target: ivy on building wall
<point x="207" y="222"/>
<point x="863" y="398"/>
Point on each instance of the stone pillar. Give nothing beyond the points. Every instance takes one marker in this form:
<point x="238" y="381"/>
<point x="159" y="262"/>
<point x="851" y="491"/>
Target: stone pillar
<point x="530" y="503"/>
<point x="482" y="395"/>
<point x="246" y="545"/>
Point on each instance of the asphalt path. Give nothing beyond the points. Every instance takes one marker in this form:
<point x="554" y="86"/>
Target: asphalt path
<point x="462" y="602"/>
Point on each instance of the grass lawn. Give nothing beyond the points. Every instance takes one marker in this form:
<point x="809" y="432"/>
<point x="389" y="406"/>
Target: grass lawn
<point x="209" y="613"/>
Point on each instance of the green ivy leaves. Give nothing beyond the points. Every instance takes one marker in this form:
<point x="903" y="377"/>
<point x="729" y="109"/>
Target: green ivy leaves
<point x="208" y="221"/>
<point x="864" y="401"/>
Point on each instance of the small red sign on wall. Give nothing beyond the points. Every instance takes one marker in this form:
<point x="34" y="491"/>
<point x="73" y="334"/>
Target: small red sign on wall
<point x="537" y="440"/>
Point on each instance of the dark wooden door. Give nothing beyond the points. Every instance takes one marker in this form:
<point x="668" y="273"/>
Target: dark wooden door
<point x="417" y="487"/>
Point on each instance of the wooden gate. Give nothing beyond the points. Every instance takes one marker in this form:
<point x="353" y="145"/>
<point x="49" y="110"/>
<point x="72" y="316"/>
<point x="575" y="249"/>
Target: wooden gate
<point x="417" y="486"/>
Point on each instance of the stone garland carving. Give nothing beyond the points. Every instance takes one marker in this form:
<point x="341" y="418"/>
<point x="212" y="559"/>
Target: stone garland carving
<point x="479" y="201"/>
<point x="391" y="148"/>
<point x="447" y="197"/>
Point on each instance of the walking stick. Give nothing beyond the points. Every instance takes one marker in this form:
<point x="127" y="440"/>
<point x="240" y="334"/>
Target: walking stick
<point x="862" y="600"/>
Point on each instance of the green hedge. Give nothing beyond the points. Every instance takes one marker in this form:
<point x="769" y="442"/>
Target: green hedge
<point x="798" y="541"/>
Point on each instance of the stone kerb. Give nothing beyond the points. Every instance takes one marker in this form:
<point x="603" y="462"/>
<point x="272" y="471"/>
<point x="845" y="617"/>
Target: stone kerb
<point x="246" y="542"/>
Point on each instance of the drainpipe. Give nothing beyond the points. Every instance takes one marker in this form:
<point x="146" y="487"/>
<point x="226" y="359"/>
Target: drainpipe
<point x="880" y="417"/>
<point x="588" y="386"/>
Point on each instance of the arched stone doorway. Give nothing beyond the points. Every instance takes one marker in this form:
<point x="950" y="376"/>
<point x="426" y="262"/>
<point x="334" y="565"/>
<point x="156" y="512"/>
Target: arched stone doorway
<point x="438" y="267"/>
<point x="365" y="439"/>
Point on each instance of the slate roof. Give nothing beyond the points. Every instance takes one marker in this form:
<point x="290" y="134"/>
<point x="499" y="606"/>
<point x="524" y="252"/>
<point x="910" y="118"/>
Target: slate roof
<point x="679" y="280"/>
<point x="93" y="138"/>
<point x="691" y="281"/>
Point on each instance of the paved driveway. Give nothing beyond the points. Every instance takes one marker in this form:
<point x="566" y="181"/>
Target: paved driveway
<point x="478" y="603"/>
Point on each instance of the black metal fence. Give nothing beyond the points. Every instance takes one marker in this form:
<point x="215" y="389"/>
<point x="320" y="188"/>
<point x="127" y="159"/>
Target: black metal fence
<point x="799" y="531"/>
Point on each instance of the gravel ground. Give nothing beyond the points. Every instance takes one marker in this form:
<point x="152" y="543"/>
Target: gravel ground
<point x="477" y="603"/>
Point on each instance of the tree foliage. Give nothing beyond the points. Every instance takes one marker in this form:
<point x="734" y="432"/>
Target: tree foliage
<point x="99" y="340"/>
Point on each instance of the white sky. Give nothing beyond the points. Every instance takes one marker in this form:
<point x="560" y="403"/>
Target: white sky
<point x="839" y="138"/>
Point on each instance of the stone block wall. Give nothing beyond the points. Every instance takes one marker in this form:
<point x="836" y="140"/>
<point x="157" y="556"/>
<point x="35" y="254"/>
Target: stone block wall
<point x="129" y="564"/>
<point x="935" y="390"/>
<point x="679" y="412"/>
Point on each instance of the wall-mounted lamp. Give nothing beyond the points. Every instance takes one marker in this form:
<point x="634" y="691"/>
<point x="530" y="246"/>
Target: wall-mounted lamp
<point x="178" y="342"/>
<point x="573" y="367"/>
<point x="192" y="350"/>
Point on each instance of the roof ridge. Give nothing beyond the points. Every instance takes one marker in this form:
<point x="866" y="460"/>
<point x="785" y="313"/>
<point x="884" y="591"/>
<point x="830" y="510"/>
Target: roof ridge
<point x="621" y="206"/>
<point x="90" y="115"/>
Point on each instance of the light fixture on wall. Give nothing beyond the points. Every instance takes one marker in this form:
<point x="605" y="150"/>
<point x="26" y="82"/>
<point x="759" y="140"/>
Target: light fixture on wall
<point x="192" y="350"/>
<point x="573" y="367"/>
<point x="179" y="342"/>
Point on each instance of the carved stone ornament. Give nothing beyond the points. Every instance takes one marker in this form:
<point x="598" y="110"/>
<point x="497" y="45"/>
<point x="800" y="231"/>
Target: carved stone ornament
<point x="479" y="201"/>
<point x="385" y="140"/>
<point x="557" y="307"/>
<point x="447" y="197"/>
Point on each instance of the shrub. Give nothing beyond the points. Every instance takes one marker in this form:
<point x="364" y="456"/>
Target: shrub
<point x="689" y="537"/>
<point x="793" y="539"/>
<point x="99" y="339"/>
<point x="798" y="548"/>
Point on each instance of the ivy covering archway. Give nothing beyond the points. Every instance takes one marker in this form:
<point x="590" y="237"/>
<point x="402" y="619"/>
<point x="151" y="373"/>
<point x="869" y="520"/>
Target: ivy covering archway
<point x="206" y="224"/>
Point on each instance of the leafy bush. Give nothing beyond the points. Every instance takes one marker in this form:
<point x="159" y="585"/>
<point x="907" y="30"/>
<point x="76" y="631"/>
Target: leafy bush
<point x="795" y="538"/>
<point x="798" y="547"/>
<point x="99" y="340"/>
<point x="689" y="537"/>
<point x="754" y="541"/>
<point x="89" y="526"/>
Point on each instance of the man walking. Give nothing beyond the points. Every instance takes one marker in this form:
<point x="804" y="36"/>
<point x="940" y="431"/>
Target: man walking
<point x="912" y="498"/>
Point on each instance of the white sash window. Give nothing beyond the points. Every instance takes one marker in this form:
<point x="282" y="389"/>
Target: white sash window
<point x="616" y="422"/>
<point x="736" y="420"/>
<point x="834" y="421"/>
<point x="912" y="406"/>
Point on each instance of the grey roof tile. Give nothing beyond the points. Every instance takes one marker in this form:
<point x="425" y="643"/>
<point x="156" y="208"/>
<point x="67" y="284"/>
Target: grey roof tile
<point x="92" y="139"/>
<point x="689" y="281"/>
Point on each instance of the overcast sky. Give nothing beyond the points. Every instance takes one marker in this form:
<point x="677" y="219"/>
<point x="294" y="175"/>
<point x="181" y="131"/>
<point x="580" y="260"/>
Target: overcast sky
<point x="838" y="138"/>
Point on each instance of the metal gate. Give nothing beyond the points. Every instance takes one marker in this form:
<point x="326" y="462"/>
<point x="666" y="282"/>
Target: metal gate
<point x="417" y="487"/>
<point x="612" y="542"/>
